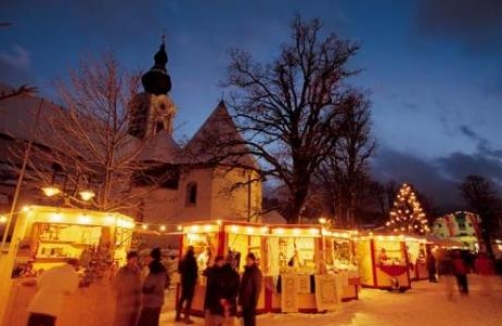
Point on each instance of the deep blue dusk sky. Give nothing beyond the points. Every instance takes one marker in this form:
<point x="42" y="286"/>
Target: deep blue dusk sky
<point x="434" y="68"/>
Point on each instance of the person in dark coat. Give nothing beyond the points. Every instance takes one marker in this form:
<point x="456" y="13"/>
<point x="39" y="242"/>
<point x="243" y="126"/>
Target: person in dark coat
<point x="188" y="271"/>
<point x="229" y="292"/>
<point x="460" y="268"/>
<point x="431" y="266"/>
<point x="249" y="294"/>
<point x="154" y="286"/>
<point x="214" y="282"/>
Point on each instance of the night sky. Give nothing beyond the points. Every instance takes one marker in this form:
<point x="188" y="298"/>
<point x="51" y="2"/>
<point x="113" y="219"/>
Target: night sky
<point x="434" y="68"/>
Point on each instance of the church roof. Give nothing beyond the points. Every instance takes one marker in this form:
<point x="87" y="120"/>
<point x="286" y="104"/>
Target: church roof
<point x="160" y="148"/>
<point x="219" y="141"/>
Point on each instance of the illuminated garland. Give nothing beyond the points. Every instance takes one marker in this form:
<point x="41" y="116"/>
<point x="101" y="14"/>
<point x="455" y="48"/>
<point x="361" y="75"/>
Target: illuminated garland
<point x="407" y="215"/>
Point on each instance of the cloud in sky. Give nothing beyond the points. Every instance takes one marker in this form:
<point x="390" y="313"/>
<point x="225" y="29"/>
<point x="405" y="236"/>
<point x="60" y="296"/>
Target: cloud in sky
<point x="477" y="25"/>
<point x="15" y="64"/>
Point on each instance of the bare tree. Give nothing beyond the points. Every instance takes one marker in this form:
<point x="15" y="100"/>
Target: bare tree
<point x="344" y="174"/>
<point x="483" y="200"/>
<point x="86" y="144"/>
<point x="290" y="110"/>
<point x="22" y="90"/>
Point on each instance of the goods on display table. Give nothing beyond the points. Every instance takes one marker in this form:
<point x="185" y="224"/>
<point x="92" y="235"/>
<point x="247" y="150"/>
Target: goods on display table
<point x="383" y="262"/>
<point x="45" y="237"/>
<point x="233" y="240"/>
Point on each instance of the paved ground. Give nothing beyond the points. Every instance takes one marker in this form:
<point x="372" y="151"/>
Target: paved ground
<point x="425" y="305"/>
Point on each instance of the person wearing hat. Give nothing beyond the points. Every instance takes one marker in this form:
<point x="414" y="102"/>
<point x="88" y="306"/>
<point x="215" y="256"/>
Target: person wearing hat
<point x="249" y="294"/>
<point x="52" y="288"/>
<point x="127" y="286"/>
<point x="153" y="290"/>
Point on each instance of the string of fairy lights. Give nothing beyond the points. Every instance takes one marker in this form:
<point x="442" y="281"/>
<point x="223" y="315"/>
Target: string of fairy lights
<point x="407" y="215"/>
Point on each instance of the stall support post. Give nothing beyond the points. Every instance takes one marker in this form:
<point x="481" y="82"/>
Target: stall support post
<point x="373" y="262"/>
<point x="221" y="242"/>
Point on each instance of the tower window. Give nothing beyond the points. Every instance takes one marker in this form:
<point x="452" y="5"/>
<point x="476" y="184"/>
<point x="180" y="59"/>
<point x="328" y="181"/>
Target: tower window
<point x="191" y="194"/>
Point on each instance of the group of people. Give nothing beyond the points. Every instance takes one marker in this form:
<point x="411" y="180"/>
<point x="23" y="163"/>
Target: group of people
<point x="226" y="291"/>
<point x="140" y="293"/>
<point x="452" y="265"/>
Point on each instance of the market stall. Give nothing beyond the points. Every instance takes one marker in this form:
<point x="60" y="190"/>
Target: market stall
<point x="302" y="276"/>
<point x="233" y="240"/>
<point x="383" y="262"/>
<point x="48" y="236"/>
<point x="417" y="255"/>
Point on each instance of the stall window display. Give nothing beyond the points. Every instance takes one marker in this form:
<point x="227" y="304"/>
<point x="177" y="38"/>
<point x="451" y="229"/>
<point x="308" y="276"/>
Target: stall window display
<point x="383" y="262"/>
<point x="50" y="235"/>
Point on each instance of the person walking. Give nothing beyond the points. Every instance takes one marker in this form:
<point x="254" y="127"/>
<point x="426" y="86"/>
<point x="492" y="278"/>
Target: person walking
<point x="188" y="271"/>
<point x="484" y="268"/>
<point x="154" y="286"/>
<point x="446" y="272"/>
<point x="460" y="268"/>
<point x="249" y="294"/>
<point x="52" y="288"/>
<point x="127" y="286"/>
<point x="430" y="261"/>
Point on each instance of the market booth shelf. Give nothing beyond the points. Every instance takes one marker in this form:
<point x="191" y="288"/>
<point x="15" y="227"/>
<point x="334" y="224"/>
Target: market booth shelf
<point x="383" y="262"/>
<point x="234" y="240"/>
<point x="47" y="236"/>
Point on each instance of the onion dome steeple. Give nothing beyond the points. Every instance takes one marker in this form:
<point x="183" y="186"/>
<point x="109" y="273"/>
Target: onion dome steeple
<point x="157" y="81"/>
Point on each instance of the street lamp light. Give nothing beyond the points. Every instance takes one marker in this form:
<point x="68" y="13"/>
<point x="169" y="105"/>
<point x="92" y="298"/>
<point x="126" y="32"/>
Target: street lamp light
<point x="87" y="195"/>
<point x="51" y="191"/>
<point x="322" y="220"/>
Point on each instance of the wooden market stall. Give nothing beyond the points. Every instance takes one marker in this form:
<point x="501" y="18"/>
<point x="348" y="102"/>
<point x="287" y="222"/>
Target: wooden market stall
<point x="235" y="239"/>
<point x="383" y="262"/>
<point x="48" y="236"/>
<point x="339" y="256"/>
<point x="306" y="272"/>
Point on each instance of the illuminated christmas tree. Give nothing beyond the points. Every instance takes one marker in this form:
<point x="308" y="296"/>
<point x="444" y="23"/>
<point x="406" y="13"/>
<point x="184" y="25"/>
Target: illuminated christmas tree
<point x="407" y="215"/>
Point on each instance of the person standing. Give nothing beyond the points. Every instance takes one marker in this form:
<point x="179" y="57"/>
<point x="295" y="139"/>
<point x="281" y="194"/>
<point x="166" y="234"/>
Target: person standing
<point x="188" y="271"/>
<point x="52" y="288"/>
<point x="251" y="284"/>
<point x="214" y="282"/>
<point x="127" y="286"/>
<point x="484" y="268"/>
<point x="446" y="272"/>
<point x="229" y="292"/>
<point x="430" y="261"/>
<point x="460" y="268"/>
<point x="154" y="286"/>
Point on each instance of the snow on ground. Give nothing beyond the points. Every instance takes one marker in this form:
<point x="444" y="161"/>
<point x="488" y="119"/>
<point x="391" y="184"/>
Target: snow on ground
<point x="425" y="305"/>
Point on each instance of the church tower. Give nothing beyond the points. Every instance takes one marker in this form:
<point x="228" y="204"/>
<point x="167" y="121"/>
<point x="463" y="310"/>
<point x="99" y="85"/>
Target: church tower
<point x="153" y="110"/>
